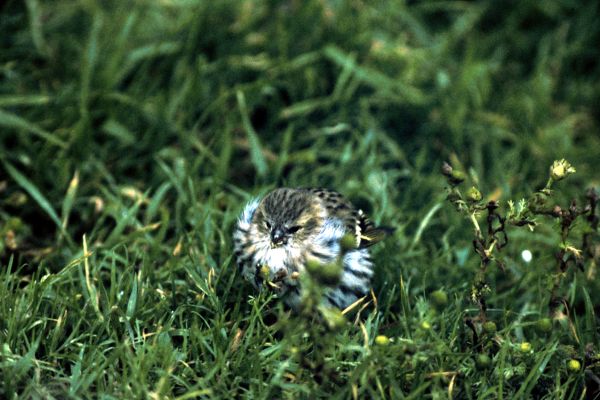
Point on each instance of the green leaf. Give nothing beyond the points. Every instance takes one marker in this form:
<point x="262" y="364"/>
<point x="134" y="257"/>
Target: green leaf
<point x="119" y="131"/>
<point x="590" y="318"/>
<point x="24" y="100"/>
<point x="536" y="371"/>
<point x="35" y="193"/>
<point x="256" y="154"/>
<point x="376" y="79"/>
<point x="36" y="17"/>
<point x="133" y="297"/>
<point x="424" y="222"/>
<point x="10" y="120"/>
<point x="69" y="199"/>
<point x="128" y="217"/>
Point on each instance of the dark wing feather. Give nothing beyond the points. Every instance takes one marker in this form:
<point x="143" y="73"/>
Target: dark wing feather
<point x="357" y="223"/>
<point x="369" y="233"/>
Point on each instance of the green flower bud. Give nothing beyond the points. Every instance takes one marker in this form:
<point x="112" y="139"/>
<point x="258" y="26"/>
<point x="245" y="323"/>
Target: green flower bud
<point x="426" y="325"/>
<point x="457" y="176"/>
<point x="558" y="172"/>
<point x="333" y="317"/>
<point x="348" y="242"/>
<point x="525" y="347"/>
<point x="490" y="327"/>
<point x="264" y="272"/>
<point x="313" y="266"/>
<point x="331" y="273"/>
<point x="483" y="361"/>
<point x="560" y="169"/>
<point x="544" y="325"/>
<point x="474" y="194"/>
<point x="382" y="340"/>
<point x="439" y="298"/>
<point x="454" y="176"/>
<point x="573" y="365"/>
<point x="326" y="274"/>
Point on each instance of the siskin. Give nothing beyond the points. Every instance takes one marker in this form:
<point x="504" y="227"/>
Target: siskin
<point x="278" y="235"/>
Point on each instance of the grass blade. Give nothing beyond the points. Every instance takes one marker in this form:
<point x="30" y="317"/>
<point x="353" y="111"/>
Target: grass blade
<point x="133" y="298"/>
<point x="424" y="222"/>
<point x="375" y="78"/>
<point x="92" y="292"/>
<point x="34" y="192"/>
<point x="10" y="120"/>
<point x="24" y="100"/>
<point x="536" y="371"/>
<point x="256" y="154"/>
<point x="69" y="200"/>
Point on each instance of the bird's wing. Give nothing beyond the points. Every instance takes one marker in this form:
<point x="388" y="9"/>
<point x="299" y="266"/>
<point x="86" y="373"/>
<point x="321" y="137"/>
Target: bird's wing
<point x="356" y="222"/>
<point x="369" y="233"/>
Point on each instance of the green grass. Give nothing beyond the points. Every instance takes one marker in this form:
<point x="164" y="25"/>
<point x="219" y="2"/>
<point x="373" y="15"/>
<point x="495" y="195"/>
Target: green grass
<point x="132" y="134"/>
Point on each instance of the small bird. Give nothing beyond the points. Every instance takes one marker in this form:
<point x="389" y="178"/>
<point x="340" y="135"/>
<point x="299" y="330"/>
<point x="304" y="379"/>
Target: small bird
<point x="277" y="235"/>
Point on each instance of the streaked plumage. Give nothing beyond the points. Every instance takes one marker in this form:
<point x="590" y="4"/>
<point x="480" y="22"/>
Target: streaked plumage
<point x="289" y="227"/>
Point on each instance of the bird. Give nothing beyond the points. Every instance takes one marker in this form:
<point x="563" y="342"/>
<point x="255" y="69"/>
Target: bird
<point x="278" y="234"/>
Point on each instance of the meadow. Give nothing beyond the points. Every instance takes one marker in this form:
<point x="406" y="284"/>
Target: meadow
<point x="132" y="134"/>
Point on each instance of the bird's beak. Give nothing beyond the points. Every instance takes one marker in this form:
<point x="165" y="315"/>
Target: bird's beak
<point x="277" y="236"/>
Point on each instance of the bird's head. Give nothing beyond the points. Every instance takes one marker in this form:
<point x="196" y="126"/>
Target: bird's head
<point x="287" y="216"/>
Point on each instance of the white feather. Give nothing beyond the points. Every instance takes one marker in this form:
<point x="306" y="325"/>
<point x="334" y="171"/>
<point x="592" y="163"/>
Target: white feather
<point x="358" y="260"/>
<point x="246" y="216"/>
<point x="327" y="241"/>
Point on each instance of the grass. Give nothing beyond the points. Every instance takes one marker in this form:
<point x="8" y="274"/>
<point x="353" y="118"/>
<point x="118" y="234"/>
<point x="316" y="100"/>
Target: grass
<point x="132" y="134"/>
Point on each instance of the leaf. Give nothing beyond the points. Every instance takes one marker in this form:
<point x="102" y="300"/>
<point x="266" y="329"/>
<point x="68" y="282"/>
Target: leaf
<point x="119" y="131"/>
<point x="75" y="378"/>
<point x="306" y="107"/>
<point x="35" y="193"/>
<point x="424" y="222"/>
<point x="69" y="199"/>
<point x="156" y="201"/>
<point x="590" y="323"/>
<point x="536" y="371"/>
<point x="10" y="120"/>
<point x="36" y="17"/>
<point x="88" y="64"/>
<point x="91" y="291"/>
<point x="375" y="78"/>
<point x="151" y="51"/>
<point x="133" y="297"/>
<point x="256" y="154"/>
<point x="128" y="217"/>
<point x="24" y="100"/>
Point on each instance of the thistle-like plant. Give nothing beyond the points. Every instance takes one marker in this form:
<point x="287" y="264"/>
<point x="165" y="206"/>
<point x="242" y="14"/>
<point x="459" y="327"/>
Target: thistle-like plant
<point x="529" y="212"/>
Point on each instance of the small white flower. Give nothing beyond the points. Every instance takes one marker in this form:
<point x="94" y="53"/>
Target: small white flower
<point x="526" y="255"/>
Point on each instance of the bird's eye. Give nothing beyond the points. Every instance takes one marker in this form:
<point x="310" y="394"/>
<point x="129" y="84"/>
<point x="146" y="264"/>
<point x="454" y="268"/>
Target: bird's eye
<point x="268" y="224"/>
<point x="294" y="229"/>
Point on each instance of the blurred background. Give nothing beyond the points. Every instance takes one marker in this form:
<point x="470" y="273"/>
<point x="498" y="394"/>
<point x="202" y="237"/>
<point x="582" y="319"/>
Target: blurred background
<point x="147" y="125"/>
<point x="365" y="97"/>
